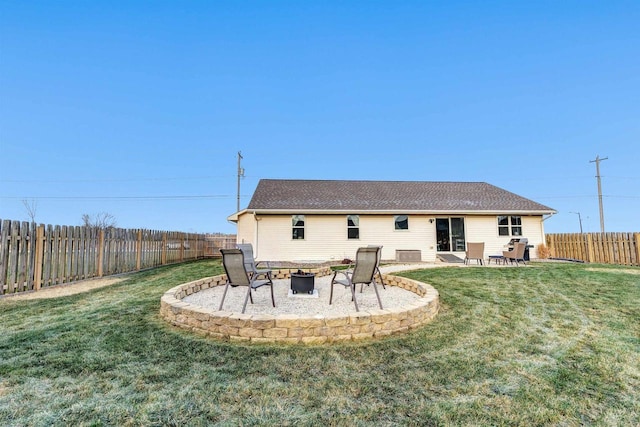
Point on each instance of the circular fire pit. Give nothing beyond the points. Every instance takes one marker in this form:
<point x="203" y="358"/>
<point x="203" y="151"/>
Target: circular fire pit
<point x="295" y="328"/>
<point x="302" y="282"/>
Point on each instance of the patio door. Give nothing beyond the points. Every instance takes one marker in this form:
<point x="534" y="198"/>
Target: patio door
<point x="450" y="234"/>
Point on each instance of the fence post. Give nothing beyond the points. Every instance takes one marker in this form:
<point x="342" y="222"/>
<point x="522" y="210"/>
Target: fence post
<point x="609" y="241"/>
<point x="590" y="253"/>
<point x="636" y="238"/>
<point x="100" y="252"/>
<point x="164" y="248"/>
<point x="139" y="250"/>
<point x="39" y="248"/>
<point x="181" y="235"/>
<point x="550" y="240"/>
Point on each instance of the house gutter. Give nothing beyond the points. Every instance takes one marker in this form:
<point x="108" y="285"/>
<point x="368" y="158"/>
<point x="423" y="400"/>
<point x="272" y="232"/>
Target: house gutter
<point x="234" y="217"/>
<point x="388" y="212"/>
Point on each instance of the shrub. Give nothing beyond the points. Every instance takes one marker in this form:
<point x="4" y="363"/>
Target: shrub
<point x="543" y="251"/>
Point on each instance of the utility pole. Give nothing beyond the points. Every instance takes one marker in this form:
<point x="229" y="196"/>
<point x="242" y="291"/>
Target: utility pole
<point x="597" y="162"/>
<point x="579" y="219"/>
<point x="240" y="175"/>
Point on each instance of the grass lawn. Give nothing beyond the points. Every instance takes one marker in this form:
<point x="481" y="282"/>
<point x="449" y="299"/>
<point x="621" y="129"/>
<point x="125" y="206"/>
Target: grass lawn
<point x="552" y="344"/>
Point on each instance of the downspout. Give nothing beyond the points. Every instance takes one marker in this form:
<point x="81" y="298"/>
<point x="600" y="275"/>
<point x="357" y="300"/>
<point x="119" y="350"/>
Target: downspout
<point x="541" y="223"/>
<point x="255" y="237"/>
<point x="544" y="234"/>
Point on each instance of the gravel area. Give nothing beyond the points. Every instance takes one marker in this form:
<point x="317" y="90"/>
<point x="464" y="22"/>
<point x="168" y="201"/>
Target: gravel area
<point x="304" y="304"/>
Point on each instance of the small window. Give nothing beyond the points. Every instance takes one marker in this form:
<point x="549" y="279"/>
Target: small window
<point x="353" y="226"/>
<point x="298" y="227"/>
<point x="509" y="225"/>
<point x="503" y="226"/>
<point x="516" y="226"/>
<point x="401" y="222"/>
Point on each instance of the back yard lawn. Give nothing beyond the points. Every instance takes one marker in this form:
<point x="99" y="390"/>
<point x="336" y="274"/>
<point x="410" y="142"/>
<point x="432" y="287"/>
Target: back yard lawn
<point x="550" y="344"/>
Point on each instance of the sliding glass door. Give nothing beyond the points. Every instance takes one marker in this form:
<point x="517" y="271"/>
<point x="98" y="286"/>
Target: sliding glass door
<point x="450" y="234"/>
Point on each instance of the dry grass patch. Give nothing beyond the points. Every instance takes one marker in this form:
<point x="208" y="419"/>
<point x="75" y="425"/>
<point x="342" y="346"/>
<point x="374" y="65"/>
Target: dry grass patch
<point x="614" y="270"/>
<point x="65" y="289"/>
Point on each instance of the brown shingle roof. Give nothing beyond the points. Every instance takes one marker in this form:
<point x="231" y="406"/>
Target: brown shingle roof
<point x="397" y="196"/>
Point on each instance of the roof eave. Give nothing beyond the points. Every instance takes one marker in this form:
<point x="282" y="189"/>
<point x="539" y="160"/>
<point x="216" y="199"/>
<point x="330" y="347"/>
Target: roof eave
<point x="392" y="211"/>
<point x="234" y="217"/>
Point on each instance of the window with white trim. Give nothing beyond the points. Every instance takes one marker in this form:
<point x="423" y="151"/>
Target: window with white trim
<point x="509" y="225"/>
<point x="297" y="222"/>
<point x="353" y="226"/>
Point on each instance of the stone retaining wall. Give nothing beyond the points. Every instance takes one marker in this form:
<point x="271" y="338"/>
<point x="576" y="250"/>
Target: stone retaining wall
<point x="290" y="328"/>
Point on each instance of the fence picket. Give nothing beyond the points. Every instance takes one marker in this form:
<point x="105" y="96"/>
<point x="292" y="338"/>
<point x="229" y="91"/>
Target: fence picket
<point x="83" y="268"/>
<point x="38" y="257"/>
<point x="625" y="241"/>
<point x="32" y="245"/>
<point x="47" y="243"/>
<point x="599" y="246"/>
<point x="23" y="257"/>
<point x="57" y="262"/>
<point x="4" y="254"/>
<point x="13" y="256"/>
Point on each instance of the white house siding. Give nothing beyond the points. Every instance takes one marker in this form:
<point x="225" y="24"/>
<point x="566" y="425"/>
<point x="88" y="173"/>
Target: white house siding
<point x="422" y="233"/>
<point x="533" y="229"/>
<point x="485" y="229"/>
<point x="326" y="236"/>
<point x="246" y="229"/>
<point x="379" y="230"/>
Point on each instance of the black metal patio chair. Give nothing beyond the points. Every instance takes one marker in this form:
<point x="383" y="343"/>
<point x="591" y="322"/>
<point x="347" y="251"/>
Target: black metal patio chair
<point x="363" y="272"/>
<point x="250" y="263"/>
<point x="237" y="275"/>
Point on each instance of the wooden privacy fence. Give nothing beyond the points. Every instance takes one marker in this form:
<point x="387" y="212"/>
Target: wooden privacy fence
<point x="215" y="242"/>
<point x="38" y="256"/>
<point x="608" y="248"/>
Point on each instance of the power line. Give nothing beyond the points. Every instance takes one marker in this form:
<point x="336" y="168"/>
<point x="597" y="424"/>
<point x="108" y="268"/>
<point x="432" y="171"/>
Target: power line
<point x="604" y="196"/>
<point x="67" y="181"/>
<point x="228" y="196"/>
<point x="218" y="196"/>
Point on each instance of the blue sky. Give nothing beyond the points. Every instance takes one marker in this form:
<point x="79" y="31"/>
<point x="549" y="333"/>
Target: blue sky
<point x="138" y="108"/>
